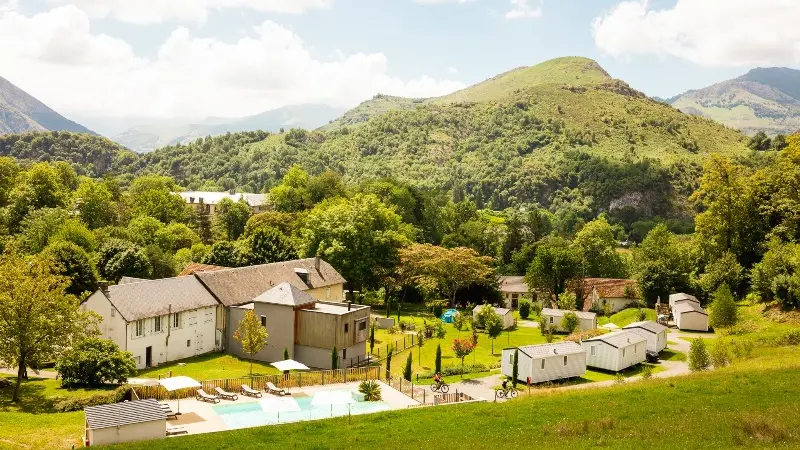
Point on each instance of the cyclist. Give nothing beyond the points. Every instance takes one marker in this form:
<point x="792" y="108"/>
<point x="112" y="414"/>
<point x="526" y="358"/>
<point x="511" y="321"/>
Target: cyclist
<point x="437" y="379"/>
<point x="505" y="384"/>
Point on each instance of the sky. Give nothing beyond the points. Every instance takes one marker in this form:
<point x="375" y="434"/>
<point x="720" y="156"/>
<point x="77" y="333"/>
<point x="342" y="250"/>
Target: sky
<point x="229" y="58"/>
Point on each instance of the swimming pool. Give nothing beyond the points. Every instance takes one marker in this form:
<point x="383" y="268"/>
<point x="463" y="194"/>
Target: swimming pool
<point x="274" y="410"/>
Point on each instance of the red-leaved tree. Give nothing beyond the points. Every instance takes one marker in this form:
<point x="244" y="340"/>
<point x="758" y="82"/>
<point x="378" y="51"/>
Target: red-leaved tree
<point x="462" y="348"/>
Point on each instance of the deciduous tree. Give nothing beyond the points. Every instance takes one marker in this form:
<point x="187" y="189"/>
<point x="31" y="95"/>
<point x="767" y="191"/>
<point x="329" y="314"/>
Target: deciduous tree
<point x="462" y="348"/>
<point x="556" y="263"/>
<point x="251" y="335"/>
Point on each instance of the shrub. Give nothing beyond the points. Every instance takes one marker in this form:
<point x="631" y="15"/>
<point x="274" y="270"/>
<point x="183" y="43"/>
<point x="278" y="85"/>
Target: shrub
<point x="790" y="338"/>
<point x="524" y="309"/>
<point x="641" y="315"/>
<point x="456" y="370"/>
<point x="394" y="329"/>
<point x="95" y="362"/>
<point x="647" y="372"/>
<point x="566" y="300"/>
<point x="5" y="382"/>
<point x="583" y="335"/>
<point x="437" y="310"/>
<point x="699" y="358"/>
<point x="607" y="311"/>
<point x="741" y="349"/>
<point x="536" y="309"/>
<point x="570" y="322"/>
<point x="460" y="321"/>
<point x="371" y="390"/>
<point x="723" y="308"/>
<point x="720" y="354"/>
<point x="549" y="333"/>
<point x="78" y="403"/>
<point x="619" y="378"/>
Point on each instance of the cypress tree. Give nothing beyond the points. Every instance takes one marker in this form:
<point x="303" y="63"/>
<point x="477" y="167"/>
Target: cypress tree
<point x="334" y="358"/>
<point x="407" y="370"/>
<point x="438" y="362"/>
<point x="515" y="369"/>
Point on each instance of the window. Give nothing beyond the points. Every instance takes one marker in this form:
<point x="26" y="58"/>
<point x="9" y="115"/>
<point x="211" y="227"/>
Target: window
<point x="138" y="361"/>
<point x="176" y="320"/>
<point x="542" y="363"/>
<point x="623" y="352"/>
<point x="344" y="354"/>
<point x="593" y="351"/>
<point x="565" y="360"/>
<point x="510" y="358"/>
<point x="264" y="321"/>
<point x="551" y="320"/>
<point x="188" y="342"/>
<point x="139" y="328"/>
<point x="157" y="324"/>
<point x="362" y="325"/>
<point x="345" y="327"/>
<point x="328" y="293"/>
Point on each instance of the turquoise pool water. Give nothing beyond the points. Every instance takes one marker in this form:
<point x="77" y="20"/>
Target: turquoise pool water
<point x="272" y="410"/>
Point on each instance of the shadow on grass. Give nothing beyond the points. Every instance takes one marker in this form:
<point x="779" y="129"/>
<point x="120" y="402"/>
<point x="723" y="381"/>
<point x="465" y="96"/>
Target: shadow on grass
<point x="32" y="397"/>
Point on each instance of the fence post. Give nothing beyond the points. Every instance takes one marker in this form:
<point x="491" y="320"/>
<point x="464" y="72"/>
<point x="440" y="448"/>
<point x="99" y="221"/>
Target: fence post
<point x="345" y="375"/>
<point x="323" y="378"/>
<point x="299" y="379"/>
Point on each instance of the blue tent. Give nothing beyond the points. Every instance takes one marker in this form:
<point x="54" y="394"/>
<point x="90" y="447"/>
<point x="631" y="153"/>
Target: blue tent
<point x="448" y="315"/>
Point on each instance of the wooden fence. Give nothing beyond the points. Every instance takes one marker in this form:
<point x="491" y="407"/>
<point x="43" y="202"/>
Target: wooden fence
<point x="258" y="382"/>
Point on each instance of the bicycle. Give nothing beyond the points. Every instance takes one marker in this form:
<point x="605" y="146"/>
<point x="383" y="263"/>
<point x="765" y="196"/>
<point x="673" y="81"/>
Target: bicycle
<point x="440" y="387"/>
<point x="508" y="392"/>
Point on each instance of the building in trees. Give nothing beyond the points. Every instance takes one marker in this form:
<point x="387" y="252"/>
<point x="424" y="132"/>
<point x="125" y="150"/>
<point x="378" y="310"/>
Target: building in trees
<point x="595" y="293"/>
<point x="514" y="289"/>
<point x="506" y="315"/>
<point x="206" y="202"/>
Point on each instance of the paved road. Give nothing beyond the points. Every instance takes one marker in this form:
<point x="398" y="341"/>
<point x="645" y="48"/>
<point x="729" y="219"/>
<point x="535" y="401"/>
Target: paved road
<point x="31" y="373"/>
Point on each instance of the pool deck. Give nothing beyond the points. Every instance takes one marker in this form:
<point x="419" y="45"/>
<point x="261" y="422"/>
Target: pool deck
<point x="199" y="417"/>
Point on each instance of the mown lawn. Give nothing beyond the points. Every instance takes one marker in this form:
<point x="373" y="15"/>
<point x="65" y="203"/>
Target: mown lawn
<point x="212" y="366"/>
<point x="626" y="317"/>
<point x="423" y="360"/>
<point x="752" y="404"/>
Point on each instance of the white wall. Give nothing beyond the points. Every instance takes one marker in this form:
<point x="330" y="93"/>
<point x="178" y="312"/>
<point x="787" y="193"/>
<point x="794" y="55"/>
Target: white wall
<point x="112" y="325"/>
<point x="585" y="324"/>
<point x="146" y="431"/>
<point x="655" y="341"/>
<point x="617" y="304"/>
<point x="691" y="320"/>
<point x="320" y="358"/>
<point x="554" y="367"/>
<point x="614" y="359"/>
<point x="194" y="336"/>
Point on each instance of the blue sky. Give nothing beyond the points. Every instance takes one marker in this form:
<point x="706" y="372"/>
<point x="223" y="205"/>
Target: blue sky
<point x="236" y="57"/>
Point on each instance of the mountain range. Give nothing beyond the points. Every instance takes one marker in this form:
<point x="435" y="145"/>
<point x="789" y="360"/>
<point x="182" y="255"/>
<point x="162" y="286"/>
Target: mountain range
<point x="146" y="138"/>
<point x="763" y="99"/>
<point x="20" y="112"/>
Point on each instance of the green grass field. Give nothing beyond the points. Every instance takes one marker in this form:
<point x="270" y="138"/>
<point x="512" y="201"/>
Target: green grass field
<point x="212" y="366"/>
<point x="626" y="317"/>
<point x="752" y="404"/>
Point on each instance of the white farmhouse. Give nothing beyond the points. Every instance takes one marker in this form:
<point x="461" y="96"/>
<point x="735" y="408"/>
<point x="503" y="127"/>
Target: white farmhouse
<point x="552" y="317"/>
<point x="514" y="289"/>
<point x="615" y="351"/>
<point x="545" y="362"/>
<point x="690" y="316"/>
<point x="506" y="315"/>
<point x="655" y="333"/>
<point x="159" y="320"/>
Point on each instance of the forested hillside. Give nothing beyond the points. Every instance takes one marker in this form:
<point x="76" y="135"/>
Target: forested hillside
<point x="562" y="134"/>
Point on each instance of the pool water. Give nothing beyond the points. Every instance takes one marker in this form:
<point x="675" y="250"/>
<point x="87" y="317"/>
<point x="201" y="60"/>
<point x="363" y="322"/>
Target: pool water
<point x="274" y="410"/>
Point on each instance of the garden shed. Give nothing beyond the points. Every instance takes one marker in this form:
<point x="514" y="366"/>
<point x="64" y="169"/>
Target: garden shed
<point x="690" y="316"/>
<point x="552" y="317"/>
<point x="655" y="333"/>
<point x="506" y="315"/>
<point x="139" y="420"/>
<point x="545" y="362"/>
<point x="615" y="351"/>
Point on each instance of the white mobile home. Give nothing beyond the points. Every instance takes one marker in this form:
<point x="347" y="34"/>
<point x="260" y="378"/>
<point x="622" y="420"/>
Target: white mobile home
<point x="680" y="298"/>
<point x="545" y="362"/>
<point x="615" y="351"/>
<point x="506" y="315"/>
<point x="655" y="333"/>
<point x="140" y="420"/>
<point x="552" y="317"/>
<point x="690" y="316"/>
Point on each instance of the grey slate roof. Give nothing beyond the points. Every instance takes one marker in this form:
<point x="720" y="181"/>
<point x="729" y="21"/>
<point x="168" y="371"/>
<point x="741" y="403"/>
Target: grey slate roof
<point x="554" y="349"/>
<point x="241" y="285"/>
<point x="285" y="294"/>
<point x="126" y="413"/>
<point x="153" y="298"/>
<point x="500" y="311"/>
<point x="560" y="312"/>
<point x="683" y="307"/>
<point x="128" y="280"/>
<point x="513" y="283"/>
<point x="619" y="339"/>
<point x="647" y="325"/>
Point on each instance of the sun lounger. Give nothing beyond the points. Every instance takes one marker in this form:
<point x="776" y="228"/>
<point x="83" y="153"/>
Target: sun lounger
<point x="203" y="396"/>
<point x="221" y="393"/>
<point x="168" y="411"/>
<point x="272" y="389"/>
<point x="247" y="390"/>
<point x="174" y="431"/>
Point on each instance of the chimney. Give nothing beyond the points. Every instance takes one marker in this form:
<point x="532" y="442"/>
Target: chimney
<point x="232" y="191"/>
<point x="103" y="286"/>
<point x="316" y="263"/>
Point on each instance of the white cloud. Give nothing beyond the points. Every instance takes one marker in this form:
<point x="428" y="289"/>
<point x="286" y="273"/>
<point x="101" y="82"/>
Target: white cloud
<point x="9" y="5"/>
<point x="56" y="57"/>
<point x="522" y="9"/>
<point x="705" y="32"/>
<point x="156" y="11"/>
<point x="452" y="70"/>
